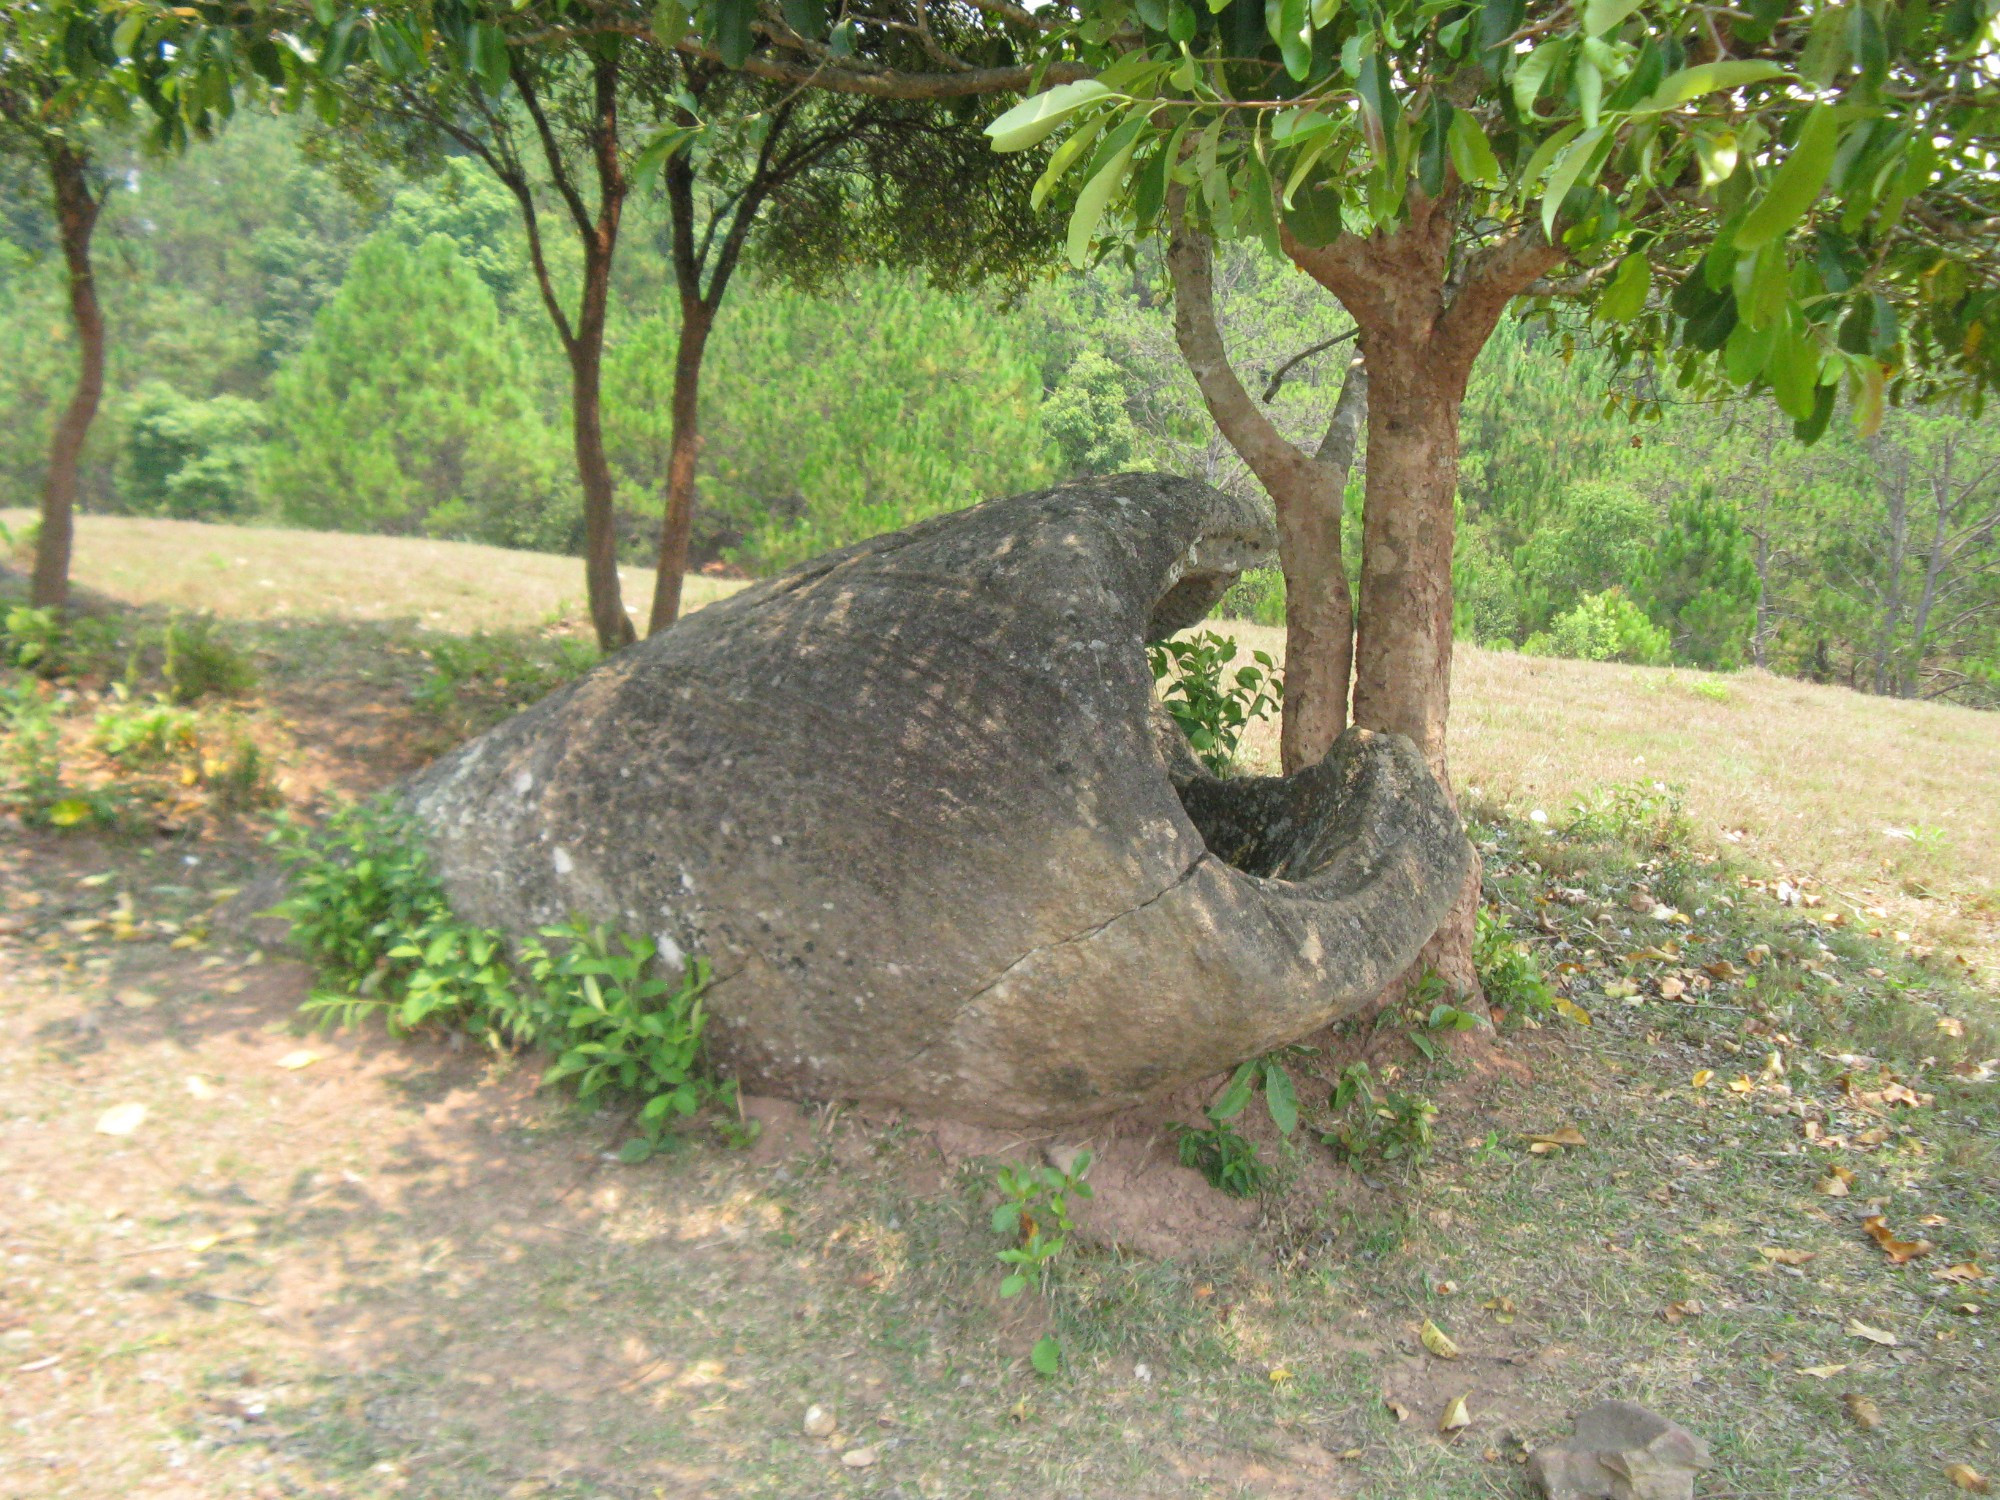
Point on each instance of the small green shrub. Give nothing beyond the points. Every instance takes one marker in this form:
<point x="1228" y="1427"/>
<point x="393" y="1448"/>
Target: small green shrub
<point x="617" y="1025"/>
<point x="365" y="904"/>
<point x="33" y="639"/>
<point x="240" y="778"/>
<point x="144" y="734"/>
<point x="481" y="678"/>
<point x="1507" y="971"/>
<point x="1212" y="704"/>
<point x="1258" y="595"/>
<point x="33" y="750"/>
<point x="1392" y="1126"/>
<point x="1604" y="627"/>
<point x="1034" y="1212"/>
<point x="1226" y="1159"/>
<point x="1266" y="1074"/>
<point x="198" y="663"/>
<point x="1647" y="815"/>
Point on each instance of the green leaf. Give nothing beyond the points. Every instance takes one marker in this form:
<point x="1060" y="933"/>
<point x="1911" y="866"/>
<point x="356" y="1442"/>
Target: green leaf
<point x="733" y="38"/>
<point x="1706" y="78"/>
<point x="1795" y="184"/>
<point x="1546" y="153"/>
<point x="1471" y="156"/>
<point x="1294" y="36"/>
<point x="1563" y="176"/>
<point x="1280" y="1098"/>
<point x="69" y="812"/>
<point x="1046" y="1356"/>
<point x="1032" y="120"/>
<point x="636" y="1150"/>
<point x="1431" y="151"/>
<point x="1313" y="217"/>
<point x="1599" y="16"/>
<point x="1007" y="1219"/>
<point x="1242" y="1084"/>
<point x="1014" y="1285"/>
<point x="1624" y="295"/>
<point x="1066" y="156"/>
<point x="1091" y="203"/>
<point x="1535" y="70"/>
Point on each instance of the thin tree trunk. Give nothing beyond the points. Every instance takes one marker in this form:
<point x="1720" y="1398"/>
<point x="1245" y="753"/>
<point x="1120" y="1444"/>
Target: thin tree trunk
<point x="677" y="524"/>
<point x="1306" y="492"/>
<point x="76" y="219"/>
<point x="600" y="515"/>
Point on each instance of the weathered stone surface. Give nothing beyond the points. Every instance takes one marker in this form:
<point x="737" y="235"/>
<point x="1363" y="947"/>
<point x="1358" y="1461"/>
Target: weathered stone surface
<point x="912" y="801"/>
<point x="1621" y="1451"/>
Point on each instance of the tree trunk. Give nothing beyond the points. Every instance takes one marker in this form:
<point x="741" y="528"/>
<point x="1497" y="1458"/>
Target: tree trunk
<point x="600" y="520"/>
<point x="1403" y="644"/>
<point x="76" y="219"/>
<point x="1306" y="492"/>
<point x="677" y="523"/>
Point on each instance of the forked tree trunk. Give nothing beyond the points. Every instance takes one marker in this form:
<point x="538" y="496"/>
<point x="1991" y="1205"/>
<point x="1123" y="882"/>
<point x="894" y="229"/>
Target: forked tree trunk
<point x="76" y="219"/>
<point x="1422" y="325"/>
<point x="677" y="523"/>
<point x="1306" y="491"/>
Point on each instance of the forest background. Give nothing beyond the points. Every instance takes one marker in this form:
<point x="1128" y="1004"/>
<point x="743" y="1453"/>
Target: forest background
<point x="306" y="339"/>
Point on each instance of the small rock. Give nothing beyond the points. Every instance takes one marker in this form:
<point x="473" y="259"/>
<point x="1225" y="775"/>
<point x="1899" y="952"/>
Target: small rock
<point x="1621" y="1451"/>
<point x="820" y="1422"/>
<point x="858" y="1458"/>
<point x="1143" y="1373"/>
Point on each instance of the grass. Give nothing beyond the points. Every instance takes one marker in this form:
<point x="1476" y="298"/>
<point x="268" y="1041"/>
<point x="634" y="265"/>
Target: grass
<point x="401" y="1270"/>
<point x="267" y="573"/>
<point x="1880" y="803"/>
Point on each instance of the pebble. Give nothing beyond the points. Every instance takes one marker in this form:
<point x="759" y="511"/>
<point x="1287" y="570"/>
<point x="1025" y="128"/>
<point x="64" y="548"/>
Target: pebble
<point x="858" y="1458"/>
<point x="819" y="1422"/>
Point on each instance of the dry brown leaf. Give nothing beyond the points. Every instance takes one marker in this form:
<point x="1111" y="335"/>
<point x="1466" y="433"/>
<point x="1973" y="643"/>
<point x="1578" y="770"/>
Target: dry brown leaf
<point x="1674" y="1312"/>
<point x="1968" y="1478"/>
<point x="1836" y="1183"/>
<point x="1742" y="1085"/>
<point x="1784" y="1256"/>
<point x="1569" y="1135"/>
<point x="1455" y="1416"/>
<point x="1899" y="1251"/>
<point x="1822" y="1372"/>
<point x="1964" y="1273"/>
<point x="1671" y="988"/>
<point x="1873" y="1137"/>
<point x="1437" y="1340"/>
<point x="293" y="1061"/>
<point x="1951" y="1026"/>
<point x="1866" y="1414"/>
<point x="1396" y="1409"/>
<point x="1874" y="1335"/>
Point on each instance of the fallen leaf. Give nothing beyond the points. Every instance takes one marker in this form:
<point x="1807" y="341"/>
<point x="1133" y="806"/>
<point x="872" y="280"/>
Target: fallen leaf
<point x="1569" y="1135"/>
<point x="1455" y="1416"/>
<point x="1964" y="1273"/>
<point x="1437" y="1340"/>
<point x="1279" y="1374"/>
<point x="200" y="1087"/>
<point x="1880" y="1336"/>
<point x="1899" y="1251"/>
<point x="121" y="1119"/>
<point x="1968" y="1478"/>
<point x="1822" y="1372"/>
<point x="1786" y="1257"/>
<point x="1671" y="988"/>
<point x="858" y="1458"/>
<point x="1873" y="1137"/>
<point x="1502" y="1308"/>
<point x="303" y="1058"/>
<point x="1742" y="1085"/>
<point x="1569" y="1010"/>
<point x="1674" y="1312"/>
<point x="1396" y="1409"/>
<point x="1703" y="1077"/>
<point x="1951" y="1026"/>
<point x="1866" y="1414"/>
<point x="1836" y="1183"/>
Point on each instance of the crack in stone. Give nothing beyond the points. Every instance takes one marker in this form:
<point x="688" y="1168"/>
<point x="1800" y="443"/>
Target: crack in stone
<point x="958" y="1011"/>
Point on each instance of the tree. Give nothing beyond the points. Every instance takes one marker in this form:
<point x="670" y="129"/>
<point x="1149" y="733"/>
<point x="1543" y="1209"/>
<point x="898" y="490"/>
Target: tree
<point x="410" y="409"/>
<point x="1699" y="583"/>
<point x="47" y="90"/>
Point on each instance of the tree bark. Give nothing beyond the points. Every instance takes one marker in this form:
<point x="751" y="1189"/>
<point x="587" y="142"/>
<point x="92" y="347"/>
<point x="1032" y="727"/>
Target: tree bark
<point x="677" y="524"/>
<point x="600" y="512"/>
<point x="1421" y="328"/>
<point x="1305" y="490"/>
<point x="77" y="208"/>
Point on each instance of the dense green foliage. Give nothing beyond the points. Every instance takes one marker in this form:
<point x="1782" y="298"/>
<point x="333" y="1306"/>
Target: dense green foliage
<point x="365" y="905"/>
<point x="248" y="290"/>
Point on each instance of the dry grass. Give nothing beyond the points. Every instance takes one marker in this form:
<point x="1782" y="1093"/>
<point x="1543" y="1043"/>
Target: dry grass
<point x="265" y="573"/>
<point x="1887" y="804"/>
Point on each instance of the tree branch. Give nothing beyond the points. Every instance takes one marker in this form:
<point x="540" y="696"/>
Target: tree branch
<point x="1278" y="375"/>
